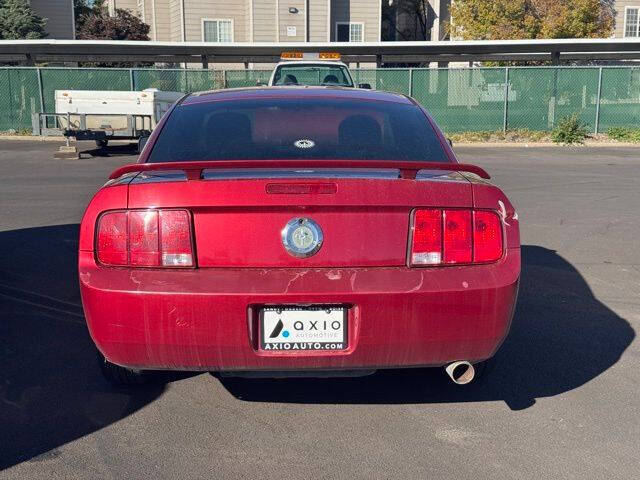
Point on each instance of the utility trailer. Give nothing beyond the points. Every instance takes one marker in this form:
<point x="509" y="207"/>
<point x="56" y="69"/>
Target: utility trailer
<point x="104" y="115"/>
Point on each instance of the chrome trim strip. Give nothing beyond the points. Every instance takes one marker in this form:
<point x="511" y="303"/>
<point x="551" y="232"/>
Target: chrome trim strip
<point x="248" y="173"/>
<point x="442" y="175"/>
<point x="123" y="180"/>
<point x="157" y="176"/>
<point x="161" y="176"/>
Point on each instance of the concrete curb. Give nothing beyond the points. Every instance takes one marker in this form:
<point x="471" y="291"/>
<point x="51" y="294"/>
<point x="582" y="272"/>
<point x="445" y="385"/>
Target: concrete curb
<point x="31" y="138"/>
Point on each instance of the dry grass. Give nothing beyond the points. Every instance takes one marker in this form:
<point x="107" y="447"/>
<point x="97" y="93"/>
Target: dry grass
<point x="517" y="136"/>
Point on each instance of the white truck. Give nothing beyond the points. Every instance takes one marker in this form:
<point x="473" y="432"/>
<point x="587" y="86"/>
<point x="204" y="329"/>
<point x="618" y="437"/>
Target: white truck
<point x="103" y="115"/>
<point x="314" y="69"/>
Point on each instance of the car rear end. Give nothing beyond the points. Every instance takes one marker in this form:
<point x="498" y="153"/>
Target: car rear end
<point x="297" y="263"/>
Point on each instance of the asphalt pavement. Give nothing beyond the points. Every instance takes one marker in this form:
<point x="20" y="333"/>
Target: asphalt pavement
<point x="562" y="400"/>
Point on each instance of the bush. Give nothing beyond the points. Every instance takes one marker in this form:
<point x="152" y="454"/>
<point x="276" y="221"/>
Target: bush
<point x="570" y="130"/>
<point x="624" y="134"/>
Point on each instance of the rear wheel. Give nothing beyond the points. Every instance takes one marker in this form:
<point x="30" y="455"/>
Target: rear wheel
<point x="102" y="143"/>
<point x="118" y="375"/>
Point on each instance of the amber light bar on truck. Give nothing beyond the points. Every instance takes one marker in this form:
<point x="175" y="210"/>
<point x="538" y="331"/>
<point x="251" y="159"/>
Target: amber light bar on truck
<point x="310" y="56"/>
<point x="455" y="236"/>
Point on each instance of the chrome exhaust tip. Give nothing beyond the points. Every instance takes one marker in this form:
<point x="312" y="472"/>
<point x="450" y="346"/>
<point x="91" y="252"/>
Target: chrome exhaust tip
<point x="461" y="372"/>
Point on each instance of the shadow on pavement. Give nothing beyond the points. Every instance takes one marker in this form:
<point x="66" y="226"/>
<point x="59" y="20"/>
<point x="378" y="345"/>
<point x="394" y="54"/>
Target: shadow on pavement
<point x="111" y="150"/>
<point x="51" y="388"/>
<point x="561" y="338"/>
<point x="52" y="392"/>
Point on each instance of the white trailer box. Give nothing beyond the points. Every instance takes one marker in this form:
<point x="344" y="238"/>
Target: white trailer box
<point x="108" y="110"/>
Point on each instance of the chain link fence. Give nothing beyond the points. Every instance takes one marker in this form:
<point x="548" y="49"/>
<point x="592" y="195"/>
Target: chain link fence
<point x="465" y="99"/>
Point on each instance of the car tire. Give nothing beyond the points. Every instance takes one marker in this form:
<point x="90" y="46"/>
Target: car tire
<point x="102" y="143"/>
<point x="118" y="375"/>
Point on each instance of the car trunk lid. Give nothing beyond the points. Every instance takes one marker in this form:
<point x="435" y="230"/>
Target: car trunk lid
<point x="239" y="214"/>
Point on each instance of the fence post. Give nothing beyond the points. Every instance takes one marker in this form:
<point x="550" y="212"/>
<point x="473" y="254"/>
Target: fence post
<point x="224" y="78"/>
<point x="132" y="82"/>
<point x="551" y="119"/>
<point x="506" y="99"/>
<point x="411" y="82"/>
<point x="598" y="101"/>
<point x="40" y="90"/>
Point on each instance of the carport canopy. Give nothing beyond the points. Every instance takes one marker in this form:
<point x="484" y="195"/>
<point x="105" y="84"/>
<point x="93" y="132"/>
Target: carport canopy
<point x="556" y="50"/>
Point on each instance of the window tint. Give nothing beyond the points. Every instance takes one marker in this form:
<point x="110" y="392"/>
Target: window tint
<point x="320" y="128"/>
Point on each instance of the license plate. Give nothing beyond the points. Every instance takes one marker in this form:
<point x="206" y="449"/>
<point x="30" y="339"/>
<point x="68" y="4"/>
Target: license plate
<point x="308" y="328"/>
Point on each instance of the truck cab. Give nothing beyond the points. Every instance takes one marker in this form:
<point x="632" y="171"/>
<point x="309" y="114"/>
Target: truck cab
<point x="312" y="69"/>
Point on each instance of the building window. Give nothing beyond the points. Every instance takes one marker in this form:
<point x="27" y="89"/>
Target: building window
<point x="217" y="30"/>
<point x="631" y="21"/>
<point x="349" y="32"/>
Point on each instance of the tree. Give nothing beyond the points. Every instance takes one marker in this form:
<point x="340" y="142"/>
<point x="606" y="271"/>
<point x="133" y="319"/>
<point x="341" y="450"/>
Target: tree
<point x="529" y="19"/>
<point x="82" y="8"/>
<point x="407" y="20"/>
<point x="18" y="21"/>
<point x="99" y="25"/>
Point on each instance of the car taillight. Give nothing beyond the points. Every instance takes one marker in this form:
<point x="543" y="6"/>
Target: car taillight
<point x="448" y="236"/>
<point x="175" y="232"/>
<point x="457" y="236"/>
<point x="427" y="237"/>
<point x="145" y="238"/>
<point x="112" y="236"/>
<point x="487" y="236"/>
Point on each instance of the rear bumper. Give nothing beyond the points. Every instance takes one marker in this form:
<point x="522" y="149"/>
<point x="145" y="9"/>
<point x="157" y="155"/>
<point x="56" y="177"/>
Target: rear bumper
<point x="206" y="319"/>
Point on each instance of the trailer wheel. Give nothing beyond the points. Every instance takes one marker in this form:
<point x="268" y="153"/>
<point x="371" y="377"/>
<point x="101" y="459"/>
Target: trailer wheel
<point x="102" y="143"/>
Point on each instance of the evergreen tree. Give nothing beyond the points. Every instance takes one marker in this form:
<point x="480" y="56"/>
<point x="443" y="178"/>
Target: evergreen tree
<point x="18" y="21"/>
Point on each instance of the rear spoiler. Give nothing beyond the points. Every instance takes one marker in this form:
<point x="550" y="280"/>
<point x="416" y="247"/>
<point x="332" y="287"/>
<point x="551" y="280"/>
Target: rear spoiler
<point x="194" y="170"/>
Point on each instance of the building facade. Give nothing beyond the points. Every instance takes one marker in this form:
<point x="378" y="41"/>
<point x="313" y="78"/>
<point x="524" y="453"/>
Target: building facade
<point x="59" y="17"/>
<point x="258" y="20"/>
<point x="627" y="18"/>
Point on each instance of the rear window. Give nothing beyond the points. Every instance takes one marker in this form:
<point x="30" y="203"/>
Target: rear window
<point x="312" y="75"/>
<point x="297" y="128"/>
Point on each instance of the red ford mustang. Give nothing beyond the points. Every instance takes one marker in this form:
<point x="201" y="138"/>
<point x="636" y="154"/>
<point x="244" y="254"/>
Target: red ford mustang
<point x="281" y="231"/>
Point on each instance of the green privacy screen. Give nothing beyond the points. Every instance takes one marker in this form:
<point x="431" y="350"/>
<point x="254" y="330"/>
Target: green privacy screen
<point x="178" y="80"/>
<point x="464" y="99"/>
<point x="19" y="97"/>
<point x="620" y="100"/>
<point x="81" y="79"/>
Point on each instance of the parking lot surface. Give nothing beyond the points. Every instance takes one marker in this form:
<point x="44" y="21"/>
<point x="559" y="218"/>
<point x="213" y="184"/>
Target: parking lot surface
<point x="561" y="402"/>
